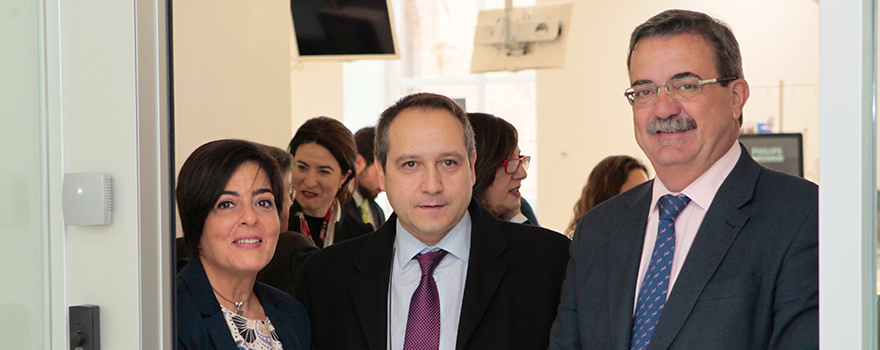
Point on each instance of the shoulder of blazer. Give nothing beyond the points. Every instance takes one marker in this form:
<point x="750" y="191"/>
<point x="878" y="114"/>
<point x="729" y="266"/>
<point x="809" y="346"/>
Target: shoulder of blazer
<point x="343" y="253"/>
<point x="350" y="226"/>
<point x="279" y="304"/>
<point x="193" y="280"/>
<point x="493" y="237"/>
<point x="748" y="176"/>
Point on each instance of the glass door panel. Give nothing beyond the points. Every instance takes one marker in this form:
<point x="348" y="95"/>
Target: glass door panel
<point x="22" y="184"/>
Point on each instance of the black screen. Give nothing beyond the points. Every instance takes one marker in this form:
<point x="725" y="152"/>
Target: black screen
<point x="342" y="27"/>
<point x="780" y="152"/>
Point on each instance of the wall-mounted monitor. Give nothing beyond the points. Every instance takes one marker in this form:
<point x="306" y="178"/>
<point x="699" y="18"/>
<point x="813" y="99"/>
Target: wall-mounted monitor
<point x="343" y="29"/>
<point x="780" y="152"/>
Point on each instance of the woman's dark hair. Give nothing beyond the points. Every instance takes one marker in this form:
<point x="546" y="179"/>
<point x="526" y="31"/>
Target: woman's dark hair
<point x="283" y="158"/>
<point x="336" y="138"/>
<point x="604" y="182"/>
<point x="204" y="176"/>
<point x="495" y="139"/>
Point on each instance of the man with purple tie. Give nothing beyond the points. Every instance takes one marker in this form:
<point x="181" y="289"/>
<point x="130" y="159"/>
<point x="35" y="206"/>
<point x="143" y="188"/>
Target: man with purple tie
<point x="716" y="252"/>
<point x="442" y="273"/>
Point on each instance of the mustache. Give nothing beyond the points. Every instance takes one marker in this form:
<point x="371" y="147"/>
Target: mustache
<point x="670" y="125"/>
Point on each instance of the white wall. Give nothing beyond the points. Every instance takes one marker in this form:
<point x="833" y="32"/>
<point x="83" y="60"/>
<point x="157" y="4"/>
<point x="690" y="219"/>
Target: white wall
<point x="316" y="90"/>
<point x="583" y="116"/>
<point x="231" y="72"/>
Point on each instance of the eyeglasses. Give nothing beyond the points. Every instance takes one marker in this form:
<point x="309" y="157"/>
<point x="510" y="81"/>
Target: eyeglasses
<point x="291" y="193"/>
<point x="511" y="165"/>
<point x="682" y="88"/>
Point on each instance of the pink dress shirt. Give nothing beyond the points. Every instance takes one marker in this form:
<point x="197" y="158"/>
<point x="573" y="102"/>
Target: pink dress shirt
<point x="701" y="192"/>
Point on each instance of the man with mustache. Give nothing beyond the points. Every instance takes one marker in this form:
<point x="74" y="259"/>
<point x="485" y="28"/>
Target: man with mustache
<point x="716" y="252"/>
<point x="442" y="273"/>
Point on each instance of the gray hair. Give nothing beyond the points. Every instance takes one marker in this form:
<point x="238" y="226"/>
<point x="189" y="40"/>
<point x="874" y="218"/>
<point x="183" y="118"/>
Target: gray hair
<point x="728" y="59"/>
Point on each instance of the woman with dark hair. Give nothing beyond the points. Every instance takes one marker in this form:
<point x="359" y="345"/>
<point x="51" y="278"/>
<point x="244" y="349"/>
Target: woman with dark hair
<point x="499" y="168"/>
<point x="230" y="195"/>
<point x="612" y="176"/>
<point x="293" y="248"/>
<point x="324" y="155"/>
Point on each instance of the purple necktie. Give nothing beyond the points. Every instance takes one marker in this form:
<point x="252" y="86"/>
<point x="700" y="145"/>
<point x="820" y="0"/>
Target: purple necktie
<point x="423" y="323"/>
<point x="655" y="285"/>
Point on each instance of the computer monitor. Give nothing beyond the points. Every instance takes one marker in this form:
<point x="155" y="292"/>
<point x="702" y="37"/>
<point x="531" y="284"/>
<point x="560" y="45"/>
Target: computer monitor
<point x="344" y="29"/>
<point x="781" y="152"/>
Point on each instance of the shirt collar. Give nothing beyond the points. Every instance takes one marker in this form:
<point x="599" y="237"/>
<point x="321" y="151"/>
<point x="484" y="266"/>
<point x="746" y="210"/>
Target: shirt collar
<point x="702" y="191"/>
<point x="457" y="242"/>
<point x="519" y="218"/>
<point x="358" y="199"/>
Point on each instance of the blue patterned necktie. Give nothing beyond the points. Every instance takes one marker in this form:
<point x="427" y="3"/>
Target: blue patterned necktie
<point x="655" y="285"/>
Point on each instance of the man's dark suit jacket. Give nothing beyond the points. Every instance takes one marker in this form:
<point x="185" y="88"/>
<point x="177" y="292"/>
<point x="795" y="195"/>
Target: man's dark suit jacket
<point x="514" y="277"/>
<point x="750" y="280"/>
<point x="284" y="271"/>
<point x="201" y="324"/>
<point x="375" y="210"/>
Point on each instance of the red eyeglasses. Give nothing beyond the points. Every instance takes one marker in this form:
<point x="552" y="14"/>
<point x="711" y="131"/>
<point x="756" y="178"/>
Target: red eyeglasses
<point x="510" y="165"/>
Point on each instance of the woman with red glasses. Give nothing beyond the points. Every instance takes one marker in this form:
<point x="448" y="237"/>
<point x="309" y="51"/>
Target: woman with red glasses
<point x="500" y="168"/>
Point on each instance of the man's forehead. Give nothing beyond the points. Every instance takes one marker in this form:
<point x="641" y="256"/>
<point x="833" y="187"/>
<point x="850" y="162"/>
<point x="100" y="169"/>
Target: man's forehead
<point x="424" y="119"/>
<point x="691" y="55"/>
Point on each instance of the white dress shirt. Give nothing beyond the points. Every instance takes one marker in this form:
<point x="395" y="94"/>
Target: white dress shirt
<point x="701" y="192"/>
<point x="519" y="218"/>
<point x="450" y="276"/>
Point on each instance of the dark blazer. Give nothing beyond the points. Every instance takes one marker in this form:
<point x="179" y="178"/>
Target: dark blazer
<point x="514" y="277"/>
<point x="283" y="272"/>
<point x="350" y="224"/>
<point x="200" y="321"/>
<point x="527" y="211"/>
<point x="750" y="280"/>
<point x="375" y="210"/>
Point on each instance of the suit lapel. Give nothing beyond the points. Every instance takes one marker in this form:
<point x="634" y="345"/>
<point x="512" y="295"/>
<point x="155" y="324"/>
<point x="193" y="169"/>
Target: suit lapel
<point x="625" y="243"/>
<point x="485" y="271"/>
<point x="369" y="289"/>
<point x="283" y="325"/>
<point x="197" y="281"/>
<point x="722" y="223"/>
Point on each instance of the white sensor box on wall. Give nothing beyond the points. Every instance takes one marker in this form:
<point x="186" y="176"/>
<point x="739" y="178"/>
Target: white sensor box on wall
<point x="87" y="199"/>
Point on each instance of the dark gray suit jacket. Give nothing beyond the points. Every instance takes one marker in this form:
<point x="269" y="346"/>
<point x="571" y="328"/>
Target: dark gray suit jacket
<point x="283" y="271"/>
<point x="376" y="211"/>
<point x="514" y="277"/>
<point x="750" y="280"/>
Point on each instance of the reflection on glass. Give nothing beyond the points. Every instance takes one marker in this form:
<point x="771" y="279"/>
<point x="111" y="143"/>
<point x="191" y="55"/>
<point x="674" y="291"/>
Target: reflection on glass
<point x="21" y="187"/>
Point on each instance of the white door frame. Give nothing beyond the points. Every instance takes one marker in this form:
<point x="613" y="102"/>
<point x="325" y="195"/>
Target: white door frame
<point x="107" y="88"/>
<point x="847" y="213"/>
